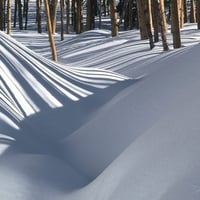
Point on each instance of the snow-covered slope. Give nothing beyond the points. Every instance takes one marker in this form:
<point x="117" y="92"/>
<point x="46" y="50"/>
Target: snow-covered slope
<point x="84" y="133"/>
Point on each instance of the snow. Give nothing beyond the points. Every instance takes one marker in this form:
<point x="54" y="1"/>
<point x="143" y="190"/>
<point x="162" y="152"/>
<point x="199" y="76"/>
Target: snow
<point x="111" y="120"/>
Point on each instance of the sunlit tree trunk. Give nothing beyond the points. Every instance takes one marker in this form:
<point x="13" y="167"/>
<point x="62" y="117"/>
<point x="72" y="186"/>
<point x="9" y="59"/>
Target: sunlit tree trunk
<point x="198" y="14"/>
<point x="163" y="26"/>
<point x="51" y="38"/>
<point x="175" y="24"/>
<point x="8" y="16"/>
<point x="53" y="15"/>
<point x="38" y="16"/>
<point x="67" y="2"/>
<point x="1" y="15"/>
<point x="181" y="13"/>
<point x="113" y="15"/>
<point x="192" y="12"/>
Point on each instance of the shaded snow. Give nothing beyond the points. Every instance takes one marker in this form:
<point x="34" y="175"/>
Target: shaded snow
<point x="77" y="131"/>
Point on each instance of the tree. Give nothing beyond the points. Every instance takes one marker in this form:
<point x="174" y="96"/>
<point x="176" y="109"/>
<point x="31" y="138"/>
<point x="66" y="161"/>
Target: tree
<point x="8" y="16"/>
<point x="51" y="39"/>
<point x="38" y="15"/>
<point x="175" y="24"/>
<point x="198" y="14"/>
<point x="113" y="15"/>
<point x="192" y="12"/>
<point x="1" y="15"/>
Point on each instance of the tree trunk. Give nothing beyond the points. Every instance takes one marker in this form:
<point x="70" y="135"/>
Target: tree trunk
<point x="53" y="15"/>
<point x="1" y="15"/>
<point x="198" y="14"/>
<point x="192" y="12"/>
<point x="67" y="2"/>
<point x="8" y="16"/>
<point x="113" y="15"/>
<point x="155" y="17"/>
<point x="26" y="12"/>
<point x="79" y="17"/>
<point x="62" y="19"/>
<point x="20" y="15"/>
<point x="89" y="15"/>
<point x="185" y="11"/>
<point x="162" y="23"/>
<point x="175" y="24"/>
<point x="142" y="21"/>
<point x="38" y="16"/>
<point x="51" y="38"/>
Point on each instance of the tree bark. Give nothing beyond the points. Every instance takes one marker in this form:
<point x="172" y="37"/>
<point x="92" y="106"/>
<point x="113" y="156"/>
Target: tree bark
<point x="192" y="12"/>
<point x="113" y="15"/>
<point x="175" y="24"/>
<point x="51" y="38"/>
<point x="67" y="2"/>
<point x="198" y="14"/>
<point x="8" y="16"/>
<point x="1" y="15"/>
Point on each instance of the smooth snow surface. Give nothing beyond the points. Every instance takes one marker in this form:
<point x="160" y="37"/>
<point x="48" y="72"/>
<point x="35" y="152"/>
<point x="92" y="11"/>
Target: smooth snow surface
<point x="114" y="121"/>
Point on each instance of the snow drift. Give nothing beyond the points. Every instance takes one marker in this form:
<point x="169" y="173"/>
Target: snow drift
<point x="66" y="135"/>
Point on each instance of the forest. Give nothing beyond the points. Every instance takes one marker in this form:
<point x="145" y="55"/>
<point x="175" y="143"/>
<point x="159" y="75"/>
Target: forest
<point x="152" y="17"/>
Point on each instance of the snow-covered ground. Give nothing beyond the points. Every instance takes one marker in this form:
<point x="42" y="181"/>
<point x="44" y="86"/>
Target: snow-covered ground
<point x="111" y="120"/>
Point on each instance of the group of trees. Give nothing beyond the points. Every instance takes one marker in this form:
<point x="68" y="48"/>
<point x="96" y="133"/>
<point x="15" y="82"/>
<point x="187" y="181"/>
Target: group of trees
<point x="150" y="16"/>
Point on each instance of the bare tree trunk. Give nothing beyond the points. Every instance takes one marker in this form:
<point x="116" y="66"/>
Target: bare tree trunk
<point x="130" y="14"/>
<point x="162" y="23"/>
<point x="67" y="16"/>
<point x="8" y="16"/>
<point x="113" y="16"/>
<point x="38" y="16"/>
<point x="142" y="19"/>
<point x="1" y="15"/>
<point x="62" y="19"/>
<point x="20" y="15"/>
<point x="192" y="12"/>
<point x="79" y="17"/>
<point x="198" y="14"/>
<point x="175" y="24"/>
<point x="155" y="17"/>
<point x="51" y="38"/>
<point x="100" y="10"/>
<point x="185" y="11"/>
<point x="181" y="13"/>
<point x="26" y="12"/>
<point x="89" y="15"/>
<point x="53" y="15"/>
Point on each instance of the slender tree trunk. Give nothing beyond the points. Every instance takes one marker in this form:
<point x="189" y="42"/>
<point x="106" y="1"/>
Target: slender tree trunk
<point x="100" y="10"/>
<point x="1" y="15"/>
<point x="198" y="14"/>
<point x="51" y="38"/>
<point x="175" y="24"/>
<point x="192" y="12"/>
<point x="67" y="2"/>
<point x="141" y="19"/>
<point x="162" y="23"/>
<point x="148" y="17"/>
<point x="89" y="15"/>
<point x="130" y="14"/>
<point x="79" y="17"/>
<point x="62" y="19"/>
<point x="8" y="16"/>
<point x="181" y="13"/>
<point x="185" y="11"/>
<point x="15" y="14"/>
<point x="26" y="12"/>
<point x="38" y="16"/>
<point x="53" y="15"/>
<point x="113" y="16"/>
<point x="20" y="15"/>
<point x="155" y="17"/>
